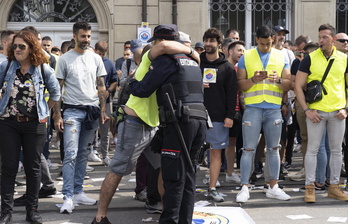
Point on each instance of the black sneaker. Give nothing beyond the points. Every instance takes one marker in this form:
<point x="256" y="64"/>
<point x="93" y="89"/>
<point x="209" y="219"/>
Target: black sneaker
<point x="19" y="184"/>
<point x="287" y="165"/>
<point x="6" y="217"/>
<point x="104" y="220"/>
<point x="33" y="217"/>
<point x="151" y="209"/>
<point x="44" y="193"/>
<point x="21" y="201"/>
<point x="318" y="190"/>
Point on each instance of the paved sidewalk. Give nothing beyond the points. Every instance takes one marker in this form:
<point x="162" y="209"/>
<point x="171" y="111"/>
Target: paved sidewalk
<point x="126" y="210"/>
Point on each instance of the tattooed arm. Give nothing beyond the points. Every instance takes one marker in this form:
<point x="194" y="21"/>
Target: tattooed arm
<point x="103" y="95"/>
<point x="57" y="116"/>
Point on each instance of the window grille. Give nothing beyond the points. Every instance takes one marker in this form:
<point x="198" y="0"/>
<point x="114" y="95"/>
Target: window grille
<point x="247" y="15"/>
<point x="52" y="11"/>
<point x="342" y="16"/>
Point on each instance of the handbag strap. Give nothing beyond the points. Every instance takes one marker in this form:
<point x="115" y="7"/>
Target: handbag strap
<point x="326" y="73"/>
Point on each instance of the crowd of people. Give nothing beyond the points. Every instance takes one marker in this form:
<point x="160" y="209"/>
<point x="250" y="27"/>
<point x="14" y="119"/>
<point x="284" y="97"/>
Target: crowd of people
<point x="164" y="104"/>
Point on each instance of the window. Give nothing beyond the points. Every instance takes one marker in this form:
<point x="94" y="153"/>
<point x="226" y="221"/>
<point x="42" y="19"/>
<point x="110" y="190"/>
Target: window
<point x="342" y="16"/>
<point x="247" y="15"/>
<point x="52" y="11"/>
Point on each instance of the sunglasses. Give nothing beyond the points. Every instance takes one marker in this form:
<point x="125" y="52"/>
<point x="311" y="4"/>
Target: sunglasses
<point x="342" y="40"/>
<point x="20" y="46"/>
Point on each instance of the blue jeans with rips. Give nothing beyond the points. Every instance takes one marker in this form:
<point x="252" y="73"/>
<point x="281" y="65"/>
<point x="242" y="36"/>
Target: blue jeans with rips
<point x="270" y="120"/>
<point x="76" y="139"/>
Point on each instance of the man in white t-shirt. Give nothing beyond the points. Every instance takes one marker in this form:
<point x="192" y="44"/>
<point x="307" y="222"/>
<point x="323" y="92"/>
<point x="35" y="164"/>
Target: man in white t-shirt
<point x="78" y="72"/>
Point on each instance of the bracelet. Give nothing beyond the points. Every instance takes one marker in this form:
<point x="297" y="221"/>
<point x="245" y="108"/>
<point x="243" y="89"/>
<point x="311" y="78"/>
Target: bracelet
<point x="191" y="51"/>
<point x="305" y="110"/>
<point x="287" y="104"/>
<point x="252" y="79"/>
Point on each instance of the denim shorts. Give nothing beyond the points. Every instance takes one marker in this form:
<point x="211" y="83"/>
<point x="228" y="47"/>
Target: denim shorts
<point x="133" y="138"/>
<point x="218" y="136"/>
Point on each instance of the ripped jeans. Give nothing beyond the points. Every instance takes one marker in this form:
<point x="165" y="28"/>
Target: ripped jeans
<point x="76" y="139"/>
<point x="270" y="120"/>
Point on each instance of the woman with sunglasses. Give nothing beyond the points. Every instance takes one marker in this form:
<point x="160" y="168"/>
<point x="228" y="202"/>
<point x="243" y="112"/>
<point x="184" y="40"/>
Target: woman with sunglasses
<point x="23" y="115"/>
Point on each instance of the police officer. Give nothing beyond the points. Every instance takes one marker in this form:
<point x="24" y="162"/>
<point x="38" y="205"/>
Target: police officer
<point x="178" y="81"/>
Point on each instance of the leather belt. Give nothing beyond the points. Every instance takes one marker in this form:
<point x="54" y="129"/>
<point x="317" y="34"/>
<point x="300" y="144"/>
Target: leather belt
<point x="22" y="118"/>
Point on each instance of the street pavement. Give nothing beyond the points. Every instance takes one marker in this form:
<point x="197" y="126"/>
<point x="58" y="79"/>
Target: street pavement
<point x="124" y="209"/>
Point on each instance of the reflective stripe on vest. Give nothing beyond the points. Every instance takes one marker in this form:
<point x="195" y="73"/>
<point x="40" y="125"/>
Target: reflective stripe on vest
<point x="262" y="92"/>
<point x="265" y="90"/>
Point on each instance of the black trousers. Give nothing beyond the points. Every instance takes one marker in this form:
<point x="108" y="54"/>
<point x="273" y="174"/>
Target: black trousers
<point x="30" y="136"/>
<point x="179" y="182"/>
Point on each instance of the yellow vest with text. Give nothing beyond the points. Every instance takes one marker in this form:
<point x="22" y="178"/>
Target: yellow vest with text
<point x="265" y="90"/>
<point x="334" y="83"/>
<point x="145" y="108"/>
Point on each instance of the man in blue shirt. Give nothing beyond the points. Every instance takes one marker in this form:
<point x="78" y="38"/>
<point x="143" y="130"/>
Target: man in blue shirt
<point x="101" y="48"/>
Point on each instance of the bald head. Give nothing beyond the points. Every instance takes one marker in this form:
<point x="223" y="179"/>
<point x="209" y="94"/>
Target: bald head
<point x="341" y="42"/>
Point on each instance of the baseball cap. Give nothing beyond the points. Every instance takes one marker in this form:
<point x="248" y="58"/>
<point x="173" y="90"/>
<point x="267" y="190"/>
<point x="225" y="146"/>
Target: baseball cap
<point x="135" y="44"/>
<point x="199" y="45"/>
<point x="280" y="28"/>
<point x="184" y="37"/>
<point x="166" y="32"/>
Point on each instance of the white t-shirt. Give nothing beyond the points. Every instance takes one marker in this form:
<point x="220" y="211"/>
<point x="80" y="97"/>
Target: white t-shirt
<point x="79" y="72"/>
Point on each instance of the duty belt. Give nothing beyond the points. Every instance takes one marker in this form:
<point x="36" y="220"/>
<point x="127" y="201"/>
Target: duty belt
<point x="195" y="111"/>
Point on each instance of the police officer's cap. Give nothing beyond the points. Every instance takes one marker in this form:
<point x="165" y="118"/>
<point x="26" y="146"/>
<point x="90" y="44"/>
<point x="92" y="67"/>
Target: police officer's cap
<point x="280" y="28"/>
<point x="166" y="32"/>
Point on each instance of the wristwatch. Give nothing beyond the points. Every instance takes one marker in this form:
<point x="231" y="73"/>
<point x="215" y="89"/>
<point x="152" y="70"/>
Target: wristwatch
<point x="280" y="81"/>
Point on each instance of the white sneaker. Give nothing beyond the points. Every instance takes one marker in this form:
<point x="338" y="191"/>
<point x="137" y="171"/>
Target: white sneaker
<point x="106" y="161"/>
<point x="95" y="152"/>
<point x="92" y="157"/>
<point x="299" y="176"/>
<point x="51" y="166"/>
<point x="213" y="193"/>
<point x="233" y="178"/>
<point x="243" y="195"/>
<point x="277" y="193"/>
<point x="68" y="206"/>
<point x="83" y="199"/>
<point x="89" y="168"/>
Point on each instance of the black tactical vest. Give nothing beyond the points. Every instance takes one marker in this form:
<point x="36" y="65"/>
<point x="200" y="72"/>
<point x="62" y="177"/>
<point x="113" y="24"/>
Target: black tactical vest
<point x="187" y="82"/>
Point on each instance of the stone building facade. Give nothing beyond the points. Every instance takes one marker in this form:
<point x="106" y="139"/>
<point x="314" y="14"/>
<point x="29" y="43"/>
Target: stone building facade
<point x="116" y="21"/>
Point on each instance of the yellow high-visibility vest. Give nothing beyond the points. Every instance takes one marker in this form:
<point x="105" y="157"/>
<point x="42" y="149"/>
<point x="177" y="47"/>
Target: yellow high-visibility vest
<point x="265" y="90"/>
<point x="334" y="83"/>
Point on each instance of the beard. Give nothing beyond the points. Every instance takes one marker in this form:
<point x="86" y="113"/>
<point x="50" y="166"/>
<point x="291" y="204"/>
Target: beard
<point x="210" y="50"/>
<point x="83" y="45"/>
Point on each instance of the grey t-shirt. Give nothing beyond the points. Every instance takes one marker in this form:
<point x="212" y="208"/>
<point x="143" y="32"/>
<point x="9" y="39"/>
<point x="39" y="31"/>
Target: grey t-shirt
<point x="79" y="72"/>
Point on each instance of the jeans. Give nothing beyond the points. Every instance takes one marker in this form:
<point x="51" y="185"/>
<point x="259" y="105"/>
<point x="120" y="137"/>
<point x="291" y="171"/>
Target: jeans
<point x="335" y="131"/>
<point x="31" y="137"/>
<point x="76" y="139"/>
<point x="301" y="120"/>
<point x="270" y="120"/>
<point x="104" y="133"/>
<point x="322" y="158"/>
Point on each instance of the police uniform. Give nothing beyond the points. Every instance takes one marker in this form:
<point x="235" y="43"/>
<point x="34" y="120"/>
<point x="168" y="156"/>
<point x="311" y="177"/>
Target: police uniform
<point x="180" y="77"/>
